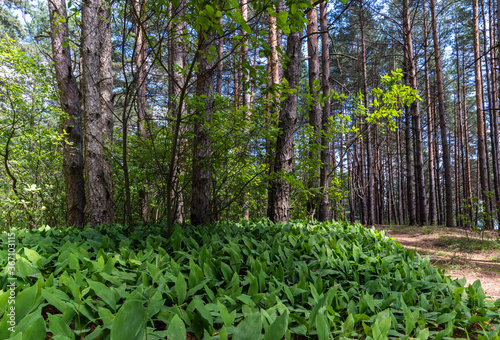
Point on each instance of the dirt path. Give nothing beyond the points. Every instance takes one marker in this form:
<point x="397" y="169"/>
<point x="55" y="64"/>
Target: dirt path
<point x="459" y="253"/>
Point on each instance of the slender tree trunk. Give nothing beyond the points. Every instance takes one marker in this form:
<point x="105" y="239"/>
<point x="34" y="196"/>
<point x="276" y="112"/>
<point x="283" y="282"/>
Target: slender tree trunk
<point x="284" y="146"/>
<point x="430" y="128"/>
<point x="142" y="119"/>
<point x="442" y="121"/>
<point x="370" y="192"/>
<point x="421" y="214"/>
<point x="72" y="125"/>
<point x="314" y="111"/>
<point x="495" y="133"/>
<point x="177" y="64"/>
<point x="99" y="205"/>
<point x="324" y="208"/>
<point x="468" y="179"/>
<point x="273" y="112"/>
<point x="479" y="105"/>
<point x="399" y="168"/>
<point x="245" y="81"/>
<point x="201" y="181"/>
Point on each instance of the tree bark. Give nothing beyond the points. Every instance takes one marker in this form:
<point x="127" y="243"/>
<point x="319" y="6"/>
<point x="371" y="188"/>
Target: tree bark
<point x="99" y="193"/>
<point x="324" y="207"/>
<point x="479" y="105"/>
<point x="442" y="121"/>
<point x="370" y="192"/>
<point x="284" y="147"/>
<point x="314" y="110"/>
<point x="72" y="125"/>
<point x="142" y="118"/>
<point x="201" y="181"/>
<point x="421" y="213"/>
<point x="177" y="64"/>
<point x="430" y="127"/>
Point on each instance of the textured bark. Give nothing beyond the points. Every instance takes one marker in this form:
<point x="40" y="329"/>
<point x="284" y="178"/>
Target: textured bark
<point x="142" y="119"/>
<point x="177" y="62"/>
<point x="479" y="105"/>
<point x="284" y="147"/>
<point x="99" y="190"/>
<point x="495" y="133"/>
<point x="324" y="180"/>
<point x="448" y="185"/>
<point x="430" y="128"/>
<point x="273" y="112"/>
<point x="72" y="126"/>
<point x="370" y="192"/>
<point x="201" y="181"/>
<point x="105" y="69"/>
<point x="468" y="180"/>
<point x="421" y="213"/>
<point x="314" y="110"/>
<point x="245" y="80"/>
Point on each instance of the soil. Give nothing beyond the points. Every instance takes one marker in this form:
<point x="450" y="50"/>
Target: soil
<point x="460" y="252"/>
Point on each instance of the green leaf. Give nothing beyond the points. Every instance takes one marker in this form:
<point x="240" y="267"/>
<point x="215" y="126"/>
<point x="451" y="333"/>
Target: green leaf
<point x="322" y="326"/>
<point x="104" y="293"/>
<point x="176" y="330"/>
<point x="181" y="288"/>
<point x="249" y="329"/>
<point x="443" y="318"/>
<point x="129" y="322"/>
<point x="58" y="327"/>
<point x="36" y="330"/>
<point x="278" y="328"/>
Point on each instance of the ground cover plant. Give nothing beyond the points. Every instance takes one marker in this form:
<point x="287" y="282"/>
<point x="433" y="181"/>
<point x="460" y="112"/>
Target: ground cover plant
<point x="246" y="280"/>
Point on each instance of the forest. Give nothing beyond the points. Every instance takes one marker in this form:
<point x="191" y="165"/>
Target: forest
<point x="195" y="169"/>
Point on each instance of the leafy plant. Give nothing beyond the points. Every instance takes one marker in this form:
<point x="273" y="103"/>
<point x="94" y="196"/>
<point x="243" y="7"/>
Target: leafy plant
<point x="246" y="280"/>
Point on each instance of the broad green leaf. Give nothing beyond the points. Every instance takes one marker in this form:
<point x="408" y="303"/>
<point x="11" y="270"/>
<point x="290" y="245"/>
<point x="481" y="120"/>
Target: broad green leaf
<point x="103" y="292"/>
<point x="249" y="329"/>
<point x="129" y="322"/>
<point x="278" y="328"/>
<point x="59" y="328"/>
<point x="181" y="288"/>
<point x="176" y="330"/>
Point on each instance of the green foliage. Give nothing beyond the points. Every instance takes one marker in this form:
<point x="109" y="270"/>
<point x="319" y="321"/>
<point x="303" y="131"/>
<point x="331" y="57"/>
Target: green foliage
<point x="247" y="280"/>
<point x="31" y="185"/>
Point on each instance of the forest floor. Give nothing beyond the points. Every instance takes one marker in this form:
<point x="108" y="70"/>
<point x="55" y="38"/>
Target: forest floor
<point x="461" y="253"/>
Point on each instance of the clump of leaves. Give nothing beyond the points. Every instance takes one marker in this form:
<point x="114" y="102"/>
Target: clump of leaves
<point x="246" y="280"/>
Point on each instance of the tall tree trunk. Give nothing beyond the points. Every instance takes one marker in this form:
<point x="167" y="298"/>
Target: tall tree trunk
<point x="479" y="105"/>
<point x="430" y="127"/>
<point x="284" y="147"/>
<point x="495" y="133"/>
<point x="142" y="119"/>
<point x="368" y="140"/>
<point x="421" y="213"/>
<point x="245" y="81"/>
<point x="468" y="179"/>
<point x="273" y="112"/>
<point x="72" y="125"/>
<point x="442" y="121"/>
<point x="99" y="205"/>
<point x="324" y="207"/>
<point x="315" y="108"/>
<point x="399" y="167"/>
<point x="177" y="64"/>
<point x="201" y="181"/>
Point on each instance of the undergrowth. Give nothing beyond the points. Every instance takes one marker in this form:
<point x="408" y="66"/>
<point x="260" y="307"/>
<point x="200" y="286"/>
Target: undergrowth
<point x="247" y="280"/>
